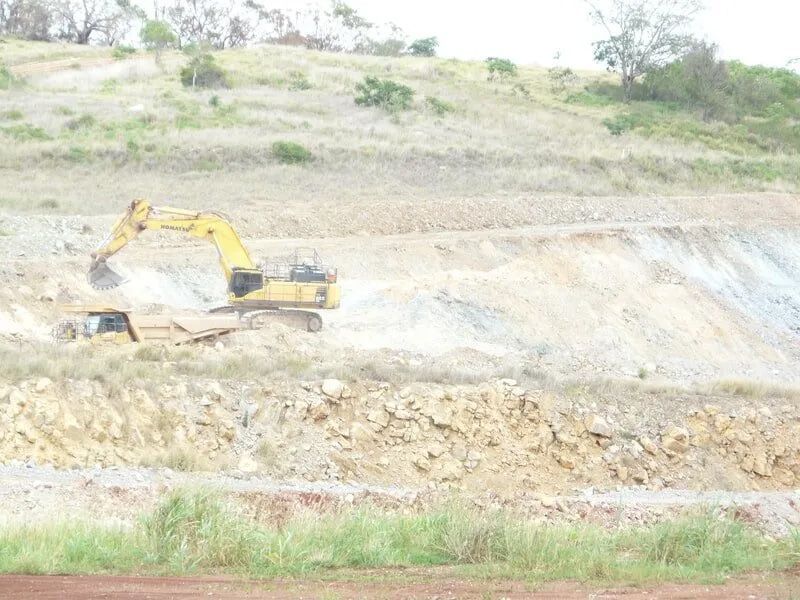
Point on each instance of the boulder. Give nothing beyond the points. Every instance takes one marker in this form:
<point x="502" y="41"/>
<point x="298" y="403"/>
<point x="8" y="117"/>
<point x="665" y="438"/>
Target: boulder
<point x="435" y="450"/>
<point x="360" y="433"/>
<point x="648" y="445"/>
<point x="422" y="463"/>
<point x="42" y="385"/>
<point x="596" y="425"/>
<point x="332" y="388"/>
<point x="247" y="464"/>
<point x="441" y="415"/>
<point x="378" y="416"/>
<point x="675" y="439"/>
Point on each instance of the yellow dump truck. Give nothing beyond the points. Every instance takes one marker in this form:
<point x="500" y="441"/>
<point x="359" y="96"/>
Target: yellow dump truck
<point x="105" y="324"/>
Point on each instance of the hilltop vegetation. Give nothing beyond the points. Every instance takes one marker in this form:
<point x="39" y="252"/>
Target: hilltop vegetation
<point x="128" y="127"/>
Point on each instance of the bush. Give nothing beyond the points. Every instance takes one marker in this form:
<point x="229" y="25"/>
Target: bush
<point x="440" y="107"/>
<point x="384" y="93"/>
<point x="291" y="153"/>
<point x="120" y="52"/>
<point x="81" y="123"/>
<point x="423" y="47"/>
<point x="25" y="132"/>
<point x="7" y="80"/>
<point x="501" y="68"/>
<point x="298" y="81"/>
<point x="204" y="72"/>
<point x="560" y="78"/>
<point x="621" y="123"/>
<point x="12" y="115"/>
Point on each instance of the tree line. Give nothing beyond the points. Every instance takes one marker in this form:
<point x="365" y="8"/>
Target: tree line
<point x="217" y="24"/>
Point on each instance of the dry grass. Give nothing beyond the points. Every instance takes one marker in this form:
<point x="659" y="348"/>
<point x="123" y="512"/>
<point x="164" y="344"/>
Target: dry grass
<point x="494" y="140"/>
<point x="756" y="389"/>
<point x="178" y="458"/>
<point x="742" y="388"/>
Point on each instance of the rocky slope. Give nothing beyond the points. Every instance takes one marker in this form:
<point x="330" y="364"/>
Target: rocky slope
<point x="497" y="435"/>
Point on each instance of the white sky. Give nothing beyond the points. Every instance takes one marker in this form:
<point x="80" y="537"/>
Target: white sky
<point x="757" y="32"/>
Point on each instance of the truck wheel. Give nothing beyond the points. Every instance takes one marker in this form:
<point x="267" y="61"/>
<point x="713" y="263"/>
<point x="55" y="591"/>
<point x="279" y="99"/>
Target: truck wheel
<point x="314" y="323"/>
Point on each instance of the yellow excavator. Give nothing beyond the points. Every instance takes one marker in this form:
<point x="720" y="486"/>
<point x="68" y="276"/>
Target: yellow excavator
<point x="291" y="284"/>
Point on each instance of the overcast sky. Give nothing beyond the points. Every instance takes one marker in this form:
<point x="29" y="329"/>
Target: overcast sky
<point x="760" y="31"/>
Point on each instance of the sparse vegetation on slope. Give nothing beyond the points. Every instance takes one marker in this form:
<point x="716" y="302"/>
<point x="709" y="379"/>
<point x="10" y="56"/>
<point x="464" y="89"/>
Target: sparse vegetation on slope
<point x="527" y="135"/>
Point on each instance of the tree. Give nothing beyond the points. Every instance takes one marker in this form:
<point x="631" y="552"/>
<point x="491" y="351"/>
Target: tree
<point x="698" y="80"/>
<point x="643" y="35"/>
<point x="25" y="19"/>
<point x="423" y="47"/>
<point x="196" y="21"/>
<point x="337" y="29"/>
<point x="157" y="36"/>
<point x="79" y="20"/>
<point x="501" y="68"/>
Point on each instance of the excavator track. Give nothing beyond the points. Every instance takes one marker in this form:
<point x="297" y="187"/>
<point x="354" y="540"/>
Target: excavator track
<point x="300" y="319"/>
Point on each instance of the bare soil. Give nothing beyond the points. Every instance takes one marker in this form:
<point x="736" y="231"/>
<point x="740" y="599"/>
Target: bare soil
<point x="379" y="584"/>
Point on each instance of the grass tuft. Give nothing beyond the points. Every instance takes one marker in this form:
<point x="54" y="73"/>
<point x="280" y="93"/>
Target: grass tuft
<point x="197" y="532"/>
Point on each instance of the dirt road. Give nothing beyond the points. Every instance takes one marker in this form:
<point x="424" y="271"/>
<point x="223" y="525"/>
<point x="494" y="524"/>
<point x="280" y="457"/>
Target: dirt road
<point x="374" y="585"/>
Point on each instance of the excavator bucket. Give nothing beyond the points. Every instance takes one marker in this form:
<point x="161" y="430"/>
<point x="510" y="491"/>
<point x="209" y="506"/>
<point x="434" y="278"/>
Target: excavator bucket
<point x="102" y="277"/>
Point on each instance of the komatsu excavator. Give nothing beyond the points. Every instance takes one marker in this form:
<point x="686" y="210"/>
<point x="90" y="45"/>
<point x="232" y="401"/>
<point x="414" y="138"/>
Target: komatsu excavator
<point x="299" y="285"/>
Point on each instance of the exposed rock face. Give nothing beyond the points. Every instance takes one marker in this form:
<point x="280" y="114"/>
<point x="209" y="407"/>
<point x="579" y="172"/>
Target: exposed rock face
<point x="496" y="436"/>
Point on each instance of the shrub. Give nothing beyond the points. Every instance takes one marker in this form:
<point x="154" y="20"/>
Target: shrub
<point x="560" y="78"/>
<point x="440" y="107"/>
<point x="291" y="153"/>
<point x="120" y="52"/>
<point x="587" y="98"/>
<point x="298" y="81"/>
<point x="25" y="132"/>
<point x="621" y="123"/>
<point x="49" y="204"/>
<point x="501" y="68"/>
<point x="521" y="89"/>
<point x="423" y="47"/>
<point x="214" y="101"/>
<point x="7" y="80"/>
<point x="81" y="123"/>
<point x="387" y="47"/>
<point x="384" y="93"/>
<point x="78" y="154"/>
<point x="204" y="72"/>
<point x="12" y="115"/>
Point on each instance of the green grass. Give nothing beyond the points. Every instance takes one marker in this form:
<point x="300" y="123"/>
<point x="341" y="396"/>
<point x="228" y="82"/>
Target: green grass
<point x="196" y="532"/>
<point x="291" y="153"/>
<point x="25" y="132"/>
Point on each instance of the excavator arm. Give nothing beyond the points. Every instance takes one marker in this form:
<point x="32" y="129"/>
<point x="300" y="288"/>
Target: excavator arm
<point x="140" y="215"/>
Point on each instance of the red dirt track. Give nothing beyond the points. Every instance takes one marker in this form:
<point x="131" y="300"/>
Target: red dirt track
<point x="59" y="587"/>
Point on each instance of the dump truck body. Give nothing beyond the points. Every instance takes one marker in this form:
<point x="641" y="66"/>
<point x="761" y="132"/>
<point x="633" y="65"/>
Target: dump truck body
<point x="105" y="324"/>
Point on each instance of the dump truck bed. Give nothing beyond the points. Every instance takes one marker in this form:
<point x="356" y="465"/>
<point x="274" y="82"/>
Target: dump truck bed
<point x="182" y="329"/>
<point x="167" y="328"/>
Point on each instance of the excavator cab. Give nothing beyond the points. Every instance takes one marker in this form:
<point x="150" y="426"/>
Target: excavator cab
<point x="244" y="281"/>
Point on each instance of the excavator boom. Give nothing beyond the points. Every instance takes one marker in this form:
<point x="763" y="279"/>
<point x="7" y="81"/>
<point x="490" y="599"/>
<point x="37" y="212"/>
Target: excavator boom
<point x="141" y="215"/>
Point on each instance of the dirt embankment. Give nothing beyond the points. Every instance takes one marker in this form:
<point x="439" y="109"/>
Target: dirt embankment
<point x="687" y="290"/>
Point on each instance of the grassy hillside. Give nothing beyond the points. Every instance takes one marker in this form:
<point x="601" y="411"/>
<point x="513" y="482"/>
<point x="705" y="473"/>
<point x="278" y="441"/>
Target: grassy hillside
<point x="91" y="134"/>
